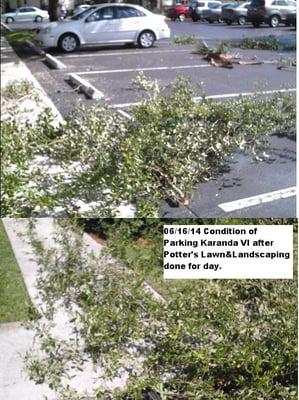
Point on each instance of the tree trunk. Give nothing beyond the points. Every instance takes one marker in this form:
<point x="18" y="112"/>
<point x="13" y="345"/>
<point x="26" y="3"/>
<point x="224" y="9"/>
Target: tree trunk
<point x="53" y="10"/>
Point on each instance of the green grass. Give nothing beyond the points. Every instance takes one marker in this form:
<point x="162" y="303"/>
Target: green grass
<point x="15" y="304"/>
<point x="19" y="37"/>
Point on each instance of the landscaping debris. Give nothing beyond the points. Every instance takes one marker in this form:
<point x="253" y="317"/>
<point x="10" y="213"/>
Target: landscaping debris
<point x="219" y="57"/>
<point x="287" y="65"/>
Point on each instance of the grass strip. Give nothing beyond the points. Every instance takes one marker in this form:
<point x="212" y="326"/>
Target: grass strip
<point x="15" y="304"/>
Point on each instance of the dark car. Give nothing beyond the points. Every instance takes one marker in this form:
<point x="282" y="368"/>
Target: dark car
<point x="197" y="7"/>
<point x="180" y="12"/>
<point x="291" y="19"/>
<point x="235" y="13"/>
<point x="271" y="12"/>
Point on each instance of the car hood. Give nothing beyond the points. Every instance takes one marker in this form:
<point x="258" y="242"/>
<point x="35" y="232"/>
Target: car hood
<point x="62" y="23"/>
<point x="10" y="14"/>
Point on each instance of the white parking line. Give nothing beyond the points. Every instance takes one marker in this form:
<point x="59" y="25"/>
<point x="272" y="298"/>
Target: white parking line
<point x="217" y="96"/>
<point x="259" y="199"/>
<point x="82" y="55"/>
<point x="125" y="114"/>
<point x="265" y="92"/>
<point x="113" y="71"/>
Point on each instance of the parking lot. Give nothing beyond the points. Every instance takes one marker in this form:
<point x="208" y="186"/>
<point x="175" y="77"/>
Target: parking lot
<point x="267" y="187"/>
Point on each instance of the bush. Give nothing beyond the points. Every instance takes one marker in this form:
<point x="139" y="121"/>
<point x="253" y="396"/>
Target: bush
<point x="170" y="145"/>
<point x="208" y="340"/>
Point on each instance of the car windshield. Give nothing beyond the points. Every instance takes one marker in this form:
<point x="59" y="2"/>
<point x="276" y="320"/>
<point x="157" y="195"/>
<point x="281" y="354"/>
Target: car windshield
<point x="83" y="14"/>
<point x="231" y="5"/>
<point x="256" y="3"/>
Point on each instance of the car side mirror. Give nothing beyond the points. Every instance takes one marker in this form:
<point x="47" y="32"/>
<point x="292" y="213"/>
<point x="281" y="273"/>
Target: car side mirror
<point x="91" y="18"/>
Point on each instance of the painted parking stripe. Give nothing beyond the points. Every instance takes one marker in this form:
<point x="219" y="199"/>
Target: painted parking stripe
<point x="125" y="114"/>
<point x="217" y="96"/>
<point x="258" y="200"/>
<point x="124" y="53"/>
<point x="113" y="71"/>
<point x="244" y="94"/>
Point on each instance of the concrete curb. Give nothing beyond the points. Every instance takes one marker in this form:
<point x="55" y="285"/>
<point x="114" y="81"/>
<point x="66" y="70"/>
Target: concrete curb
<point x="54" y="62"/>
<point x="18" y="70"/>
<point x="6" y="27"/>
<point x="90" y="91"/>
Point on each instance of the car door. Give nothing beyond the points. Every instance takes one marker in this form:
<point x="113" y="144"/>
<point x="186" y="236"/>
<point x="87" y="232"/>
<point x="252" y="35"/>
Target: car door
<point x="101" y="26"/>
<point x="130" y="22"/>
<point x="282" y="8"/>
<point x="26" y="14"/>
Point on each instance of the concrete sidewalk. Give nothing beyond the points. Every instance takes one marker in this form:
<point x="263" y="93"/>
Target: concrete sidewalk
<point x="14" y="70"/>
<point x="15" y="340"/>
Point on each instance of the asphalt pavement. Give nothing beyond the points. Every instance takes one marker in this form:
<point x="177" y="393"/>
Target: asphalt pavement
<point x="111" y="69"/>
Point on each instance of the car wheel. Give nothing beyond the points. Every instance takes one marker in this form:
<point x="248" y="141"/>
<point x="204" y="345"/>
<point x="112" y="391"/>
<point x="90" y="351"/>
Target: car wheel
<point x="146" y="39"/>
<point x="38" y="19"/>
<point x="256" y="24"/>
<point x="68" y="43"/>
<point x="242" y="20"/>
<point x="274" y="21"/>
<point x="9" y="20"/>
<point x="210" y="21"/>
<point x="195" y="19"/>
<point x="182" y="17"/>
<point x="228" y="22"/>
<point x="220" y="20"/>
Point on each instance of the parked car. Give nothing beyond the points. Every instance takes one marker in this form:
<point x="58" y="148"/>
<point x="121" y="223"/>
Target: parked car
<point x="180" y="12"/>
<point x="105" y="24"/>
<point x="197" y="7"/>
<point x="291" y="19"/>
<point x="212" y="14"/>
<point x="272" y="12"/>
<point x="25" y="14"/>
<point x="235" y="13"/>
<point x="80" y="8"/>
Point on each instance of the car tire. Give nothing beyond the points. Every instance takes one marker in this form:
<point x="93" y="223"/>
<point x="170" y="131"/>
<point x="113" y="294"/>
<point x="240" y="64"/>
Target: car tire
<point x="210" y="21"/>
<point x="228" y="22"/>
<point x="68" y="42"/>
<point x="256" y="24"/>
<point x="9" y="20"/>
<point x="274" y="21"/>
<point x="146" y="39"/>
<point x="182" y="17"/>
<point x="195" y="19"/>
<point x="38" y="19"/>
<point x="241" y="20"/>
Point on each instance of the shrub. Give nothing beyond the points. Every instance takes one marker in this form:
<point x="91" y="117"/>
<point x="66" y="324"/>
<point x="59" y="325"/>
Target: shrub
<point x="170" y="145"/>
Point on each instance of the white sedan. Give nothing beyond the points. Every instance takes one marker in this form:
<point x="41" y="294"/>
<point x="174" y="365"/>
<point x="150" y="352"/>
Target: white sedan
<point x="105" y="24"/>
<point x="24" y="14"/>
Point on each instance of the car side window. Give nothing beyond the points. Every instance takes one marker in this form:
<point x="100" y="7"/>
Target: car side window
<point x="26" y="9"/>
<point x="129" y="12"/>
<point x="281" y="3"/>
<point x="102" y="14"/>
